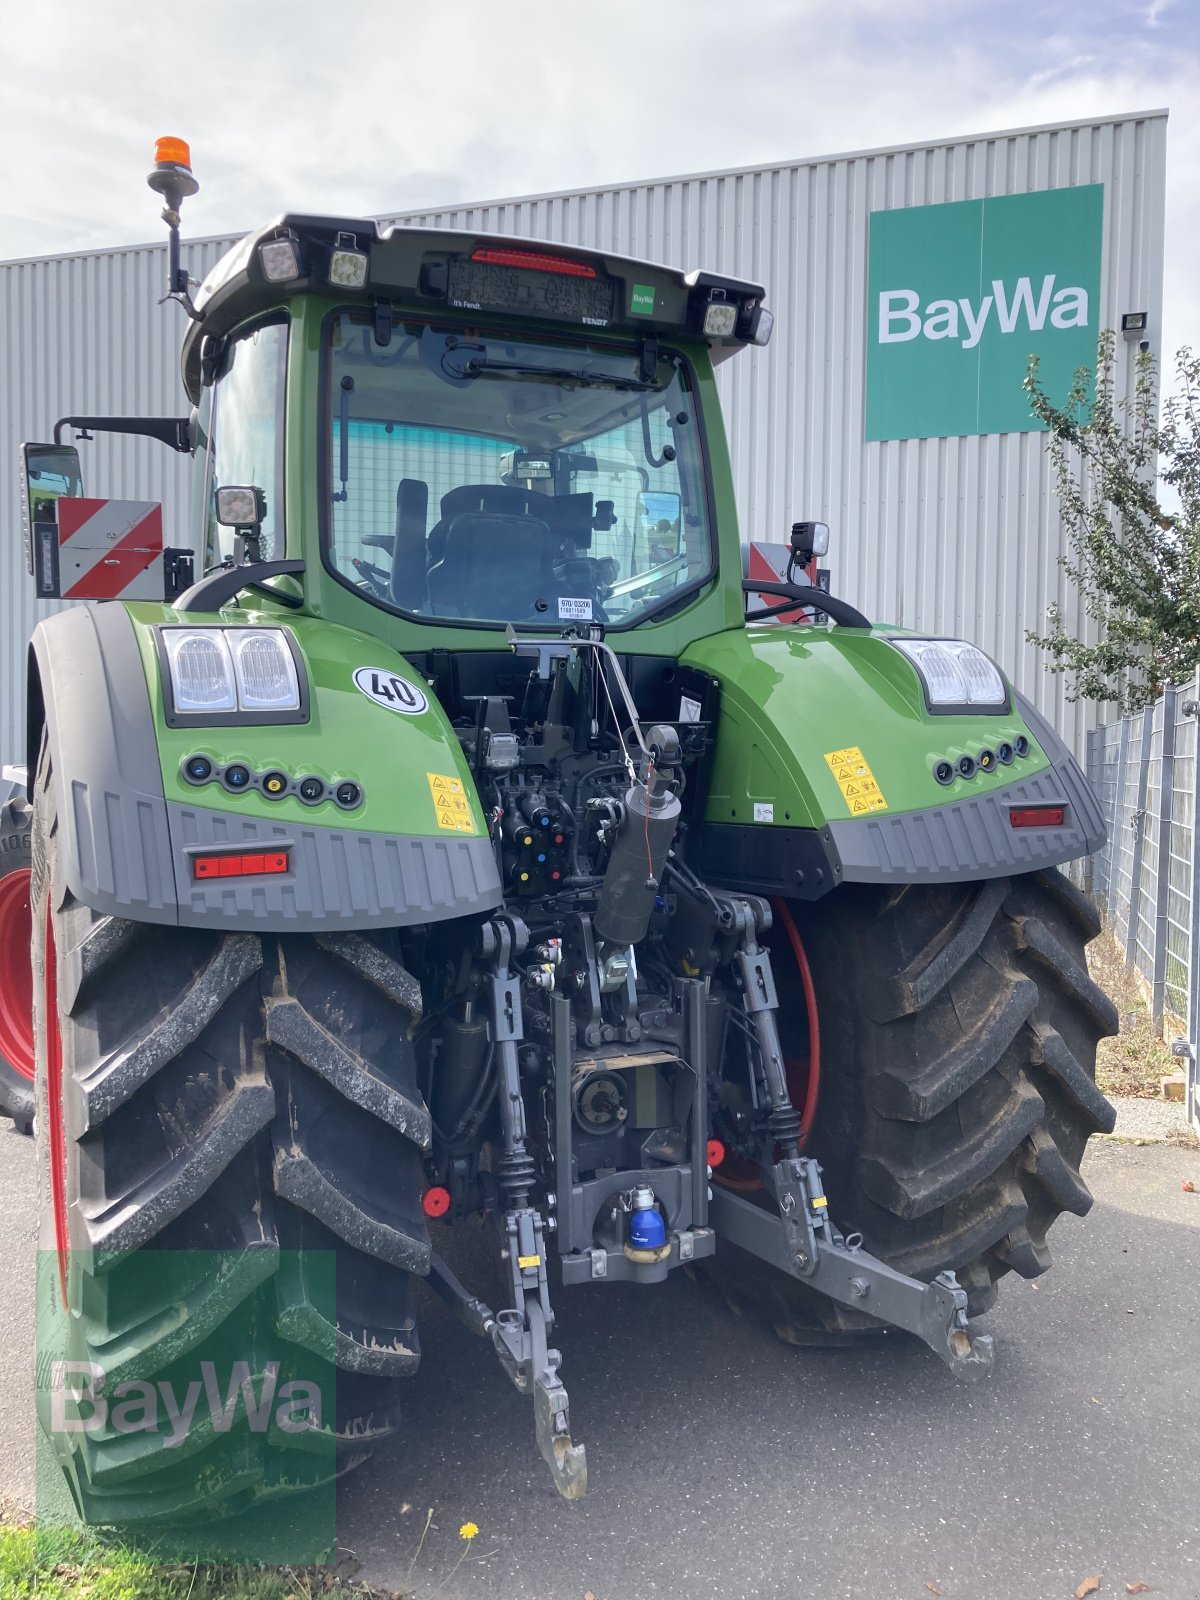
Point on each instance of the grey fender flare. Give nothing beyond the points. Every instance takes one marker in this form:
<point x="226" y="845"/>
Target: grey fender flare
<point x="126" y="851"/>
<point x="87" y="688"/>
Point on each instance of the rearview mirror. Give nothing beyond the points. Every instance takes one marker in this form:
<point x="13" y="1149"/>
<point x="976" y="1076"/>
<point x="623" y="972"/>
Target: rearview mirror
<point x="49" y="472"/>
<point x="659" y="527"/>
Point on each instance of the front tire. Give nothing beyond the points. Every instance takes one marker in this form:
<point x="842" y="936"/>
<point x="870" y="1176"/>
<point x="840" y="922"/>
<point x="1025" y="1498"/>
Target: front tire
<point x="958" y="1032"/>
<point x="221" y="1117"/>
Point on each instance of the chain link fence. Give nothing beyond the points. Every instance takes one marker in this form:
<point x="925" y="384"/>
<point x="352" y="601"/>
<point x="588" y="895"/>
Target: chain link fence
<point x="1146" y="880"/>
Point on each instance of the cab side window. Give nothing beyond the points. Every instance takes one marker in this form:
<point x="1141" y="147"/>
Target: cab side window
<point x="246" y="434"/>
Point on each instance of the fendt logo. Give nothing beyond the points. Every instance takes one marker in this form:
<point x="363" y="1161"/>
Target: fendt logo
<point x="961" y="295"/>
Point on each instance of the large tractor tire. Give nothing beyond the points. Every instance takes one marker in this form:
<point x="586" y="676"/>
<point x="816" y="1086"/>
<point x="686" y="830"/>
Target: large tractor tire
<point x="16" y="977"/>
<point x="221" y="1117"/>
<point x="958" y="1030"/>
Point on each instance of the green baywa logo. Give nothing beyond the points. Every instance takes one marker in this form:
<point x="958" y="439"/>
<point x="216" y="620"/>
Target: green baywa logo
<point x="902" y="317"/>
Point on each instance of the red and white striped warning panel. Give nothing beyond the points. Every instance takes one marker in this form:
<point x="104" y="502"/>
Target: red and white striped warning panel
<point x="101" y="550"/>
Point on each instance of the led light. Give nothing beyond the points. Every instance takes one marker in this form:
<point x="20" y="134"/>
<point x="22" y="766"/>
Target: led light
<point x="279" y="260"/>
<point x="240" y="506"/>
<point x="1037" y="816"/>
<point x="955" y="673"/>
<point x="762" y="325"/>
<point x="201" y="670"/>
<point x="222" y="670"/>
<point x="265" y="670"/>
<point x="985" y="686"/>
<point x="245" y="864"/>
<point x="810" y="538"/>
<point x="347" y="264"/>
<point x="944" y="683"/>
<point x="720" y="319"/>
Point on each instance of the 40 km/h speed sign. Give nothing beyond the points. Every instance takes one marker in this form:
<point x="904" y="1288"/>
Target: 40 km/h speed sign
<point x="388" y="689"/>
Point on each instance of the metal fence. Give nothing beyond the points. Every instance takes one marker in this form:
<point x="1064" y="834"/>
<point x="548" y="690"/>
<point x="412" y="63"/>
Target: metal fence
<point x="1146" y="880"/>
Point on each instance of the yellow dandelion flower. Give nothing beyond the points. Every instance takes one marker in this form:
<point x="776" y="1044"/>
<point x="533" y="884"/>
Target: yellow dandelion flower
<point x="468" y="1531"/>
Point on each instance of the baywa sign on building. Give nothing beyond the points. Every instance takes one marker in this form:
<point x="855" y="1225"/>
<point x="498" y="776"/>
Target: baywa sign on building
<point x="961" y="295"/>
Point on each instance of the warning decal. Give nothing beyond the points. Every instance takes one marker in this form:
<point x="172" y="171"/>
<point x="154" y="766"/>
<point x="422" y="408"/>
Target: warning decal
<point x="856" y="781"/>
<point x="450" y="803"/>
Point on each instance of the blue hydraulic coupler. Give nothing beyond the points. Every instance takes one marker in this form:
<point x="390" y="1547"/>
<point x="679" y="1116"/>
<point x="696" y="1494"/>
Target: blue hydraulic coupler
<point x="647" y="1230"/>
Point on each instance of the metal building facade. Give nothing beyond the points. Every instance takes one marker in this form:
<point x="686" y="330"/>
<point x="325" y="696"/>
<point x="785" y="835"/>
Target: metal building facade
<point x="953" y="535"/>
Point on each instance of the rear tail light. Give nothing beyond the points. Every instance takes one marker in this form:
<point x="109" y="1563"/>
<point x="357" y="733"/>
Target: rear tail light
<point x="1037" y="816"/>
<point x="244" y="864"/>
<point x="534" y="261"/>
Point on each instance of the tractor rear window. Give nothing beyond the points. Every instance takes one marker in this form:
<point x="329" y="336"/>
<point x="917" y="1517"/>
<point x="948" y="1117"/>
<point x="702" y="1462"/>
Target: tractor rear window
<point x="486" y="479"/>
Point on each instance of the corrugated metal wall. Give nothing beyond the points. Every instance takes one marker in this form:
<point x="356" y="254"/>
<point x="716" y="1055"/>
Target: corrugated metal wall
<point x="956" y="535"/>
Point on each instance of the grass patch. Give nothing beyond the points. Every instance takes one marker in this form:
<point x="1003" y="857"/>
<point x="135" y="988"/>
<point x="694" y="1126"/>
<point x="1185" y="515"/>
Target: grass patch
<point x="52" y="1563"/>
<point x="1133" y="1062"/>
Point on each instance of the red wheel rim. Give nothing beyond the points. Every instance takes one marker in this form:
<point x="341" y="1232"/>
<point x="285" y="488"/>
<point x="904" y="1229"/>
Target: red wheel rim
<point x="16" y="972"/>
<point x="54" y="1102"/>
<point x="803" y="1072"/>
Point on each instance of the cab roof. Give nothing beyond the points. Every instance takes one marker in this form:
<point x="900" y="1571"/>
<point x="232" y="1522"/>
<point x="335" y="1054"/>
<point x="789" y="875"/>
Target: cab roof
<point x="509" y="279"/>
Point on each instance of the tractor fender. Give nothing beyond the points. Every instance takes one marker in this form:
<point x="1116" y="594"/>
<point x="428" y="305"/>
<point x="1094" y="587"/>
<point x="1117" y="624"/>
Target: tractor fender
<point x="126" y="846"/>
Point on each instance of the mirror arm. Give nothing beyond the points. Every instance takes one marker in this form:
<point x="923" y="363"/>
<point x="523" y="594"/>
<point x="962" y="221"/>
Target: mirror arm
<point x="173" y="431"/>
<point x="799" y="594"/>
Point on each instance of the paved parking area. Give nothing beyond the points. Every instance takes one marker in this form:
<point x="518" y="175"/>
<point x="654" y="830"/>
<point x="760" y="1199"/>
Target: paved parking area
<point x="724" y="1464"/>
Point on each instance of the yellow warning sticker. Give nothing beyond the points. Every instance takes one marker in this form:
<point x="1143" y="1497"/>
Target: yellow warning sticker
<point x="529" y="1261"/>
<point x="856" y="781"/>
<point x="450" y="803"/>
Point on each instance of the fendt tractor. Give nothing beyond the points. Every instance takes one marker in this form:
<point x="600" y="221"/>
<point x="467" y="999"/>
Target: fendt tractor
<point x="472" y="837"/>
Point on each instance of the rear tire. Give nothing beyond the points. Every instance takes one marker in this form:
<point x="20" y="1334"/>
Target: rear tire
<point x="958" y="1038"/>
<point x="16" y="979"/>
<point x="254" y="1096"/>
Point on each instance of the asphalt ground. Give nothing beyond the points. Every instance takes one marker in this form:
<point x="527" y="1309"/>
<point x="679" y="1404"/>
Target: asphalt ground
<point x="725" y="1464"/>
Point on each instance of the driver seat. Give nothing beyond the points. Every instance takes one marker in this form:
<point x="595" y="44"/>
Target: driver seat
<point x="494" y="567"/>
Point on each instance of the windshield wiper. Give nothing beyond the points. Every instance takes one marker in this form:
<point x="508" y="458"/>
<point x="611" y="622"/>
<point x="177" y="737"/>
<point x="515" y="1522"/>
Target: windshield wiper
<point x="475" y="360"/>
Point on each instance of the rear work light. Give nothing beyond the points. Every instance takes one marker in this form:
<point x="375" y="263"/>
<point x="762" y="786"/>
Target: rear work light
<point x="534" y="261"/>
<point x="1037" y="816"/>
<point x="256" y="864"/>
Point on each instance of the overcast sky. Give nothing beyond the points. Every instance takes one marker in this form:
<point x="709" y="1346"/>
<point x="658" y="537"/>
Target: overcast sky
<point x="373" y="107"/>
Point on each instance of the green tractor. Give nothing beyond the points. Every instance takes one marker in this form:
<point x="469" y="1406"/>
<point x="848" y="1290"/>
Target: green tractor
<point x="470" y="840"/>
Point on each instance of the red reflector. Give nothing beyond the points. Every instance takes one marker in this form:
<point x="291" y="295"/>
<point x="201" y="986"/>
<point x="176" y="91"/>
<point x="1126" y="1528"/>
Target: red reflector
<point x="243" y="865"/>
<point x="534" y="260"/>
<point x="435" y="1202"/>
<point x="716" y="1153"/>
<point x="1037" y="816"/>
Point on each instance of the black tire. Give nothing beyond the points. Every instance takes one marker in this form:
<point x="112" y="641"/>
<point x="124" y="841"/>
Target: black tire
<point x="16" y="1057"/>
<point x="958" y="1040"/>
<point x="225" y="1093"/>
